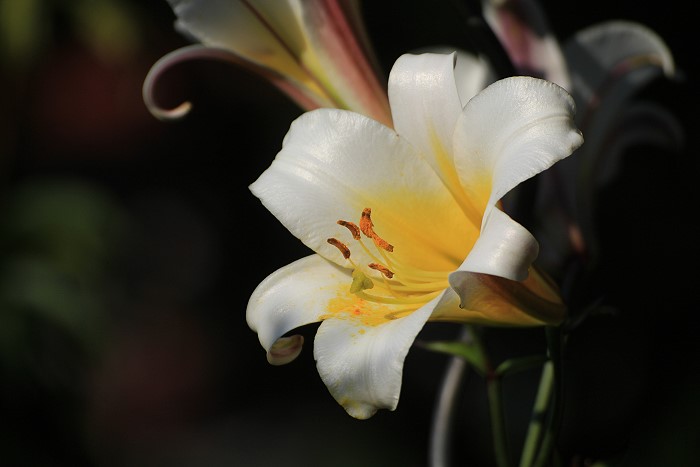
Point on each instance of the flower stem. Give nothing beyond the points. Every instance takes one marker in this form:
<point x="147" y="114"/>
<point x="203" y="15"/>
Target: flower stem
<point x="441" y="431"/>
<point x="493" y="390"/>
<point x="500" y="445"/>
<point x="554" y="349"/>
<point x="539" y="411"/>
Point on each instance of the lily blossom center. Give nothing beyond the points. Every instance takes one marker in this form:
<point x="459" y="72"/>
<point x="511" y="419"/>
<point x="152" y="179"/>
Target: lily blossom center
<point x="395" y="282"/>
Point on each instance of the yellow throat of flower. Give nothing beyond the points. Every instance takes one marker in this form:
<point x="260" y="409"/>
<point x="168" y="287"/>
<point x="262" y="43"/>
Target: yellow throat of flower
<point x="401" y="287"/>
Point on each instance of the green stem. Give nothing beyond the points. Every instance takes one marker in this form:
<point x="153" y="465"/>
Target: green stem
<point x="500" y="445"/>
<point x="539" y="411"/>
<point x="493" y="389"/>
<point x="554" y="348"/>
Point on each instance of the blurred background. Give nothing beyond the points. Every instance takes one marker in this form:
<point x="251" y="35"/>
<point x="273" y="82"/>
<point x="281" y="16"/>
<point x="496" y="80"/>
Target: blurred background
<point x="129" y="248"/>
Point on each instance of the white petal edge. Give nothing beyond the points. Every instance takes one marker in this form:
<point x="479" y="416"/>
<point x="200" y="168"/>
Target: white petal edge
<point x="424" y="100"/>
<point x="504" y="248"/>
<point x="292" y="296"/>
<point x="233" y="26"/>
<point x="512" y="130"/>
<point x="285" y="350"/>
<point x="362" y="366"/>
<point x="472" y="73"/>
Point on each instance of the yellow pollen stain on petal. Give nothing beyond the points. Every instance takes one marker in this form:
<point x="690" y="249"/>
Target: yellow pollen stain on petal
<point x="348" y="306"/>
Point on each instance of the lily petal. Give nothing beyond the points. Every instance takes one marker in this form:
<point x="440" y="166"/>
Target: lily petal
<point x="236" y="26"/>
<point x="340" y="56"/>
<point x="320" y="49"/>
<point x="611" y="61"/>
<point x="362" y="366"/>
<point x="510" y="132"/>
<point x="498" y="301"/>
<point x="504" y="248"/>
<point x="472" y="73"/>
<point x="295" y="90"/>
<point x="293" y="296"/>
<point x="335" y="163"/>
<point x="285" y="350"/>
<point x="425" y="103"/>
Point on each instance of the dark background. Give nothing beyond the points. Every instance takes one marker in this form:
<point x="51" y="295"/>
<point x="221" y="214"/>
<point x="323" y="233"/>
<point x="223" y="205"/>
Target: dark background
<point x="129" y="248"/>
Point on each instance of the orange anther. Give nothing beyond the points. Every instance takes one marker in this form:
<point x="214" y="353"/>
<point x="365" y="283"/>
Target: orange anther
<point x="354" y="230"/>
<point x="366" y="228"/>
<point x="341" y="246"/>
<point x="366" y="223"/>
<point x="383" y="269"/>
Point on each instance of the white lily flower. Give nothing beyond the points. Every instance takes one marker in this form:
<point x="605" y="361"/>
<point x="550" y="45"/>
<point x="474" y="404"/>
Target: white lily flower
<point x="316" y="51"/>
<point x="406" y="225"/>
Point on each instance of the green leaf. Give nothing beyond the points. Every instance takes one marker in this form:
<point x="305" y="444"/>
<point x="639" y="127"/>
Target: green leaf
<point x="469" y="351"/>
<point x="515" y="365"/>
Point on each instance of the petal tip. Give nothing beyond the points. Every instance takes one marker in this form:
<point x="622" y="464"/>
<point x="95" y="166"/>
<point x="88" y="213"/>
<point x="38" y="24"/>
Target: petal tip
<point x="359" y="410"/>
<point x="285" y="350"/>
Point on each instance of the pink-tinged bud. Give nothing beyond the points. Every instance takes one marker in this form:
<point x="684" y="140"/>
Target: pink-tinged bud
<point x="316" y="52"/>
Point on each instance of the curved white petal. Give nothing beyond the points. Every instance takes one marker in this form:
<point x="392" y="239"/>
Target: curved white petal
<point x="511" y="131"/>
<point x="504" y="248"/>
<point x="335" y="163"/>
<point x="362" y="366"/>
<point x="293" y="296"/>
<point x="319" y="48"/>
<point x="609" y="63"/>
<point x="424" y="101"/>
<point x="237" y="27"/>
<point x="301" y="94"/>
<point x="623" y="53"/>
<point x="472" y="74"/>
<point x="285" y="350"/>
<point x="493" y="300"/>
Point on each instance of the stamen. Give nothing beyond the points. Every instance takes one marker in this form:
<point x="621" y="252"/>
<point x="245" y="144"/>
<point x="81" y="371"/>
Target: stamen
<point x="366" y="228"/>
<point x="413" y="274"/>
<point x="341" y="246"/>
<point x="383" y="269"/>
<point x="369" y="253"/>
<point x="401" y="284"/>
<point x="419" y="287"/>
<point x="408" y="299"/>
<point x="354" y="229"/>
